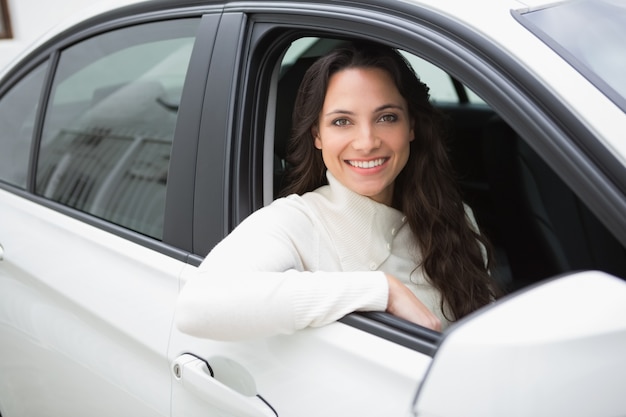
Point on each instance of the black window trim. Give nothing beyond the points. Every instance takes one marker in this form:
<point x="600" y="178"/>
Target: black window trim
<point x="396" y="330"/>
<point x="213" y="187"/>
<point x="178" y="227"/>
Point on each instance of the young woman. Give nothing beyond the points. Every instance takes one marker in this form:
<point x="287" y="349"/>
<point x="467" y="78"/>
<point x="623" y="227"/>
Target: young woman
<point x="372" y="219"/>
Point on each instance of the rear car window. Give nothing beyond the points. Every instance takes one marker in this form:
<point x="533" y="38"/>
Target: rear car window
<point x="110" y="123"/>
<point x="18" y="108"/>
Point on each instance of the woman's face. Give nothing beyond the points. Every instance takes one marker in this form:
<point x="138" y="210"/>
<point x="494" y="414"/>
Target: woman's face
<point x="364" y="131"/>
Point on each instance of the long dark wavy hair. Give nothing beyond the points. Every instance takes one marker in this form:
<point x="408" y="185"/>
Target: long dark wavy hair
<point x="426" y="190"/>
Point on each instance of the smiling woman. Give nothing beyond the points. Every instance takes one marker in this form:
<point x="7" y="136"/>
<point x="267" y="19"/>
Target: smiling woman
<point x="385" y="114"/>
<point x="371" y="219"/>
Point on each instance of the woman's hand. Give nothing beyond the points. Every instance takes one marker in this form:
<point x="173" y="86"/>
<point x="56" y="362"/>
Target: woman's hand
<point x="404" y="304"/>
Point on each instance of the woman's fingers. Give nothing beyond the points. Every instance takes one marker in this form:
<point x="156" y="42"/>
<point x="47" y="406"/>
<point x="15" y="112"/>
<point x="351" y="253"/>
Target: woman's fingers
<point x="404" y="304"/>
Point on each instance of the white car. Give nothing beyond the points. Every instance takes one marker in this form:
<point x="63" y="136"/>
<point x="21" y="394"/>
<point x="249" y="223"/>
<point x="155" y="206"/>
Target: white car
<point x="134" y="140"/>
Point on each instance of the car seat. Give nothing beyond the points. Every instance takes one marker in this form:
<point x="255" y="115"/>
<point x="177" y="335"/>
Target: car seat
<point x="545" y="228"/>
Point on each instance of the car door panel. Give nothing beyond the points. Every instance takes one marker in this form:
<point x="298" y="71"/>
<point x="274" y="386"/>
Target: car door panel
<point x="79" y="339"/>
<point x="87" y="286"/>
<point x="332" y="370"/>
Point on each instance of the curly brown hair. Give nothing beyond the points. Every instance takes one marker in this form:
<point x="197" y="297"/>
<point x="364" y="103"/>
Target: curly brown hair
<point x="426" y="190"/>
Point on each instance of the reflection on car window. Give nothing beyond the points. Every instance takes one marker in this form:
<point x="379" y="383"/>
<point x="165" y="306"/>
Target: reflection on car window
<point x="17" y="117"/>
<point x="110" y="124"/>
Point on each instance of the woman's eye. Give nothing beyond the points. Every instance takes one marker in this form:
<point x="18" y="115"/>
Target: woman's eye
<point x="388" y="118"/>
<point x="341" y="122"/>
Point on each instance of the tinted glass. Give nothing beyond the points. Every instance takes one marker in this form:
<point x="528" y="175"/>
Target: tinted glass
<point x="591" y="35"/>
<point x="110" y="123"/>
<point x="18" y="109"/>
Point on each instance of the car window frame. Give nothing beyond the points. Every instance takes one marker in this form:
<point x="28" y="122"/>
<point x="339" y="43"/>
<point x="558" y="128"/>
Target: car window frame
<point x="213" y="189"/>
<point x="179" y="228"/>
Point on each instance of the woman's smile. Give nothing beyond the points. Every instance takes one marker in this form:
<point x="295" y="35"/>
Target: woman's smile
<point x="373" y="163"/>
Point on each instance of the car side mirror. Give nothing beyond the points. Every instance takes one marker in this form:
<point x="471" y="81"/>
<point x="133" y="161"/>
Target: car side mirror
<point x="556" y="349"/>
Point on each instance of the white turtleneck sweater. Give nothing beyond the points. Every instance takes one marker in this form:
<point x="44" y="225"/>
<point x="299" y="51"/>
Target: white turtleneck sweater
<point x="303" y="261"/>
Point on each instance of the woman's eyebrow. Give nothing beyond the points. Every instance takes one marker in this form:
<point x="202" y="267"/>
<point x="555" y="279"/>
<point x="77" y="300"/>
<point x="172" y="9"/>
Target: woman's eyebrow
<point x="389" y="106"/>
<point x="338" y="111"/>
<point x="376" y="110"/>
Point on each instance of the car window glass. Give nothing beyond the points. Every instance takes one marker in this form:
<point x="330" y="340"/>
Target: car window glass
<point x="18" y="108"/>
<point x="110" y="123"/>
<point x="590" y="35"/>
<point x="442" y="89"/>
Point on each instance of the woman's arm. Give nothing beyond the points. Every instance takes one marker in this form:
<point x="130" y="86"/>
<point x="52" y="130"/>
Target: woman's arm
<point x="254" y="283"/>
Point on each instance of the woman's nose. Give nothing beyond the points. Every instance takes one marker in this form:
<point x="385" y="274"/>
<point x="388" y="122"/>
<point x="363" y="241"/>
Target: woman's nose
<point x="366" y="139"/>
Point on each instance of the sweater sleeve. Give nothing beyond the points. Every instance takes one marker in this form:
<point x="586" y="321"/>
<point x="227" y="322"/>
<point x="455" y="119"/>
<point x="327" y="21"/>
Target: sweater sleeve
<point x="255" y="282"/>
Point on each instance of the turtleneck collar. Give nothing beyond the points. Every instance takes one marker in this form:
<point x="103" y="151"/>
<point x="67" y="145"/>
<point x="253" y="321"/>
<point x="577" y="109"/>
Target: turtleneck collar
<point x="363" y="230"/>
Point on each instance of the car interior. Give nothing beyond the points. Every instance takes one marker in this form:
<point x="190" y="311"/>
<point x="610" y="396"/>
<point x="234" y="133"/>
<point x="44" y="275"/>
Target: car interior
<point x="538" y="227"/>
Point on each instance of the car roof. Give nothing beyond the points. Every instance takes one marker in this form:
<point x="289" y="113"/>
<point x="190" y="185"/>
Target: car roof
<point x="474" y="12"/>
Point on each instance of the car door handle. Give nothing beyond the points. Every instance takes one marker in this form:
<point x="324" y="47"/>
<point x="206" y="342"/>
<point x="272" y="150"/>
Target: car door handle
<point x="224" y="384"/>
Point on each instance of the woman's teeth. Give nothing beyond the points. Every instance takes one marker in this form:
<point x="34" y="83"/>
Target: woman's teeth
<point x="367" y="164"/>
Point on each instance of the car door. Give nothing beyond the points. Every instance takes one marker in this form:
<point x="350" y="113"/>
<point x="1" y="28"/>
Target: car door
<point x="89" y="272"/>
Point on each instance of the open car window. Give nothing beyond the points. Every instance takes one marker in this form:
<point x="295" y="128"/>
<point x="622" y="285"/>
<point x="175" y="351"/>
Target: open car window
<point x="538" y="226"/>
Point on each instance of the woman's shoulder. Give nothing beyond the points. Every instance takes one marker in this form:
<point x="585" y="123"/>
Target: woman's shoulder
<point x="306" y="202"/>
<point x="285" y="210"/>
<point x="292" y="202"/>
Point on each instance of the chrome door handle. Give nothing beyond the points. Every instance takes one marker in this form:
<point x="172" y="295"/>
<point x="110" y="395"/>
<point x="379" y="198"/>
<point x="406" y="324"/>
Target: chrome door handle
<point x="228" y="387"/>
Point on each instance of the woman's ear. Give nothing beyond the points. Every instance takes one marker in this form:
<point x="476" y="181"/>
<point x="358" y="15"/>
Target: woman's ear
<point x="316" y="135"/>
<point x="412" y="131"/>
